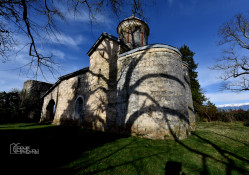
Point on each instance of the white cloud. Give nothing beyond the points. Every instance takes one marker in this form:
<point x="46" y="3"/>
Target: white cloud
<point x="66" y="39"/>
<point x="20" y="53"/>
<point x="11" y="80"/>
<point x="82" y="15"/>
<point x="208" y="77"/>
<point x="58" y="54"/>
<point x="16" y="78"/>
<point x="22" y="59"/>
<point x="13" y="73"/>
<point x="221" y="98"/>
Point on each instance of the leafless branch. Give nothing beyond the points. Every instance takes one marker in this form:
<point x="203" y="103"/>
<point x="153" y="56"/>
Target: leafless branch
<point x="20" y="16"/>
<point x="232" y="65"/>
<point x="236" y="31"/>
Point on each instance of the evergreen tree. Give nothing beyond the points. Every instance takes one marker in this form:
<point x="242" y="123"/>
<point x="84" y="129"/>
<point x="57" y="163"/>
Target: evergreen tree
<point x="197" y="92"/>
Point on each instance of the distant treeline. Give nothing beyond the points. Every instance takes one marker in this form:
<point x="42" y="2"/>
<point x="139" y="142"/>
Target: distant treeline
<point x="210" y="112"/>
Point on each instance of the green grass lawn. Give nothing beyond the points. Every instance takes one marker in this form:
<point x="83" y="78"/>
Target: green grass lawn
<point x="214" y="148"/>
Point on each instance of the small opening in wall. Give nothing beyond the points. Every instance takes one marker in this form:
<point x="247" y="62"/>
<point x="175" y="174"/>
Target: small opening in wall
<point x="78" y="84"/>
<point x="142" y="39"/>
<point x="99" y="74"/>
<point x="128" y="36"/>
<point x="79" y="107"/>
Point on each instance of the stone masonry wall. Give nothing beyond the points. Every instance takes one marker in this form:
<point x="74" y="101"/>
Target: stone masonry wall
<point x="35" y="87"/>
<point x="143" y="92"/>
<point x="64" y="96"/>
<point x="152" y="94"/>
<point x="101" y="102"/>
<point x="189" y="98"/>
<point x="30" y="97"/>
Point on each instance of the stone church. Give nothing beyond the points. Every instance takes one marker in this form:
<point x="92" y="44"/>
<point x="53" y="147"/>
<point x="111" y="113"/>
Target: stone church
<point x="130" y="87"/>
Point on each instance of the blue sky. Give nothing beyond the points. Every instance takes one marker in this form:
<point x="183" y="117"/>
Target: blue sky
<point x="173" y="22"/>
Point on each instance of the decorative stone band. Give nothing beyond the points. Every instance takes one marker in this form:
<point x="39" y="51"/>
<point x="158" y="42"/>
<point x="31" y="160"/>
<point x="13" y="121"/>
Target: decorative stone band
<point x="149" y="47"/>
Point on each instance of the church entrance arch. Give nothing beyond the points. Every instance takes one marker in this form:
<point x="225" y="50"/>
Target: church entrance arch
<point x="50" y="110"/>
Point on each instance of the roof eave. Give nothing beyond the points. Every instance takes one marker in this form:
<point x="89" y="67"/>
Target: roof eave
<point x="101" y="38"/>
<point x="64" y="77"/>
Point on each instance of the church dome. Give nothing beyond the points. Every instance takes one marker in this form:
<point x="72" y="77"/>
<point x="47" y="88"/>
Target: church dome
<point x="133" y="32"/>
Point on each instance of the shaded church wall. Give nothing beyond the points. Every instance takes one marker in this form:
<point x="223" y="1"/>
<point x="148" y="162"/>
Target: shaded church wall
<point x="151" y="94"/>
<point x="189" y="98"/>
<point x="65" y="95"/>
<point x="102" y="75"/>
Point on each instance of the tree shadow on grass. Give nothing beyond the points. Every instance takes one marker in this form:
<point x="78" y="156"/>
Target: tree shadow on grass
<point x="216" y="155"/>
<point x="173" y="168"/>
<point x="236" y="140"/>
<point x="58" y="146"/>
<point x="227" y="157"/>
<point x="70" y="150"/>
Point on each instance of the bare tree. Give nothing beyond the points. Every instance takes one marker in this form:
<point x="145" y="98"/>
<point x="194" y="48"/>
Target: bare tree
<point x="18" y="16"/>
<point x="235" y="62"/>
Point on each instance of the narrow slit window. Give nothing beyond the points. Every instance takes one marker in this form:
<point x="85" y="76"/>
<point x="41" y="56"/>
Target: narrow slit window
<point x="142" y="39"/>
<point x="79" y="109"/>
<point x="99" y="74"/>
<point x="128" y="36"/>
<point x="78" y="84"/>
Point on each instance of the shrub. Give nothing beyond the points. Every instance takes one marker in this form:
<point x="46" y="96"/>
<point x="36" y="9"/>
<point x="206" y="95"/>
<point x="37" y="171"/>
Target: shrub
<point x="233" y="115"/>
<point x="209" y="112"/>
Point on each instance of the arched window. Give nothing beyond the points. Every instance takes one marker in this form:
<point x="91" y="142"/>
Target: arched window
<point x="79" y="107"/>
